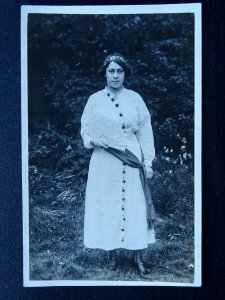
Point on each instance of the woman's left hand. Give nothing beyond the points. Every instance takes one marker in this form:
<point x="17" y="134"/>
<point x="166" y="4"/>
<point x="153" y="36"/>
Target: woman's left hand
<point x="148" y="172"/>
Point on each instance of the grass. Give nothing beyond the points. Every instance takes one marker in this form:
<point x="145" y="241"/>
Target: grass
<point x="57" y="251"/>
<point x="56" y="238"/>
<point x="73" y="262"/>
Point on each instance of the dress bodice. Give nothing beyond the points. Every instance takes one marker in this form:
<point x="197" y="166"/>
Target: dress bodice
<point x="128" y="113"/>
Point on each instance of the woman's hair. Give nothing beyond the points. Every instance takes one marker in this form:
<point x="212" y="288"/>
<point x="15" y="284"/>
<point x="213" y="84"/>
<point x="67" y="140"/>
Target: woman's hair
<point x="120" y="60"/>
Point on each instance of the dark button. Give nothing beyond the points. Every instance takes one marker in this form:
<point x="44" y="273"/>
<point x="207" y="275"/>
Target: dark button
<point x="123" y="127"/>
<point x="108" y="94"/>
<point x="123" y="190"/>
<point x="123" y="199"/>
<point x="117" y="105"/>
<point x="122" y="208"/>
<point x="122" y="229"/>
<point x="124" y="164"/>
<point x="124" y="171"/>
<point x="124" y="181"/>
<point x="112" y="99"/>
<point x="122" y="240"/>
<point x="121" y="114"/>
<point x="124" y="219"/>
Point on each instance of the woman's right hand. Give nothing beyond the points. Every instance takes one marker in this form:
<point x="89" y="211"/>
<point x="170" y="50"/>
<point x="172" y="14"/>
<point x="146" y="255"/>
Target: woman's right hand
<point x="98" y="143"/>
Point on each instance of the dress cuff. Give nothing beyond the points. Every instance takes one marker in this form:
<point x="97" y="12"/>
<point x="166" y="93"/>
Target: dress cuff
<point x="87" y="142"/>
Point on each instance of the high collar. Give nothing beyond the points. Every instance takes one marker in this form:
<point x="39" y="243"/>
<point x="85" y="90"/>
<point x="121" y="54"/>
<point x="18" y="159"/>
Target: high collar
<point x="115" y="94"/>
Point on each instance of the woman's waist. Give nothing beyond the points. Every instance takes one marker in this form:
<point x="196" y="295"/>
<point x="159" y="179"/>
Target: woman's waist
<point x="133" y="145"/>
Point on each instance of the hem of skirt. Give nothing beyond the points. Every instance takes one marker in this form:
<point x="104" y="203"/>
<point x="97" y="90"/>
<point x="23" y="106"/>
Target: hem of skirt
<point x="116" y="247"/>
<point x="150" y="243"/>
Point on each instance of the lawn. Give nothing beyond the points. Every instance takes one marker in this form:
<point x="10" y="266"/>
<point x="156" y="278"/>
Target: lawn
<point x="56" y="232"/>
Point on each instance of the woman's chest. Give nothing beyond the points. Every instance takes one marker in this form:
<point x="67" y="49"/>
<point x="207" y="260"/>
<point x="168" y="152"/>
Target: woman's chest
<point x="121" y="111"/>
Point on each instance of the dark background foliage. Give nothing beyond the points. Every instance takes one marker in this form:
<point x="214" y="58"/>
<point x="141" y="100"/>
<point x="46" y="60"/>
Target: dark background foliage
<point x="66" y="51"/>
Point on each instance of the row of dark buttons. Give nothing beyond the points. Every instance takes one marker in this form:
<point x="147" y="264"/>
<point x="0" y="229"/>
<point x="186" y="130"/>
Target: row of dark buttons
<point x="117" y="105"/>
<point x="124" y="181"/>
<point x="123" y="190"/>
<point x="123" y="199"/>
<point x="113" y="99"/>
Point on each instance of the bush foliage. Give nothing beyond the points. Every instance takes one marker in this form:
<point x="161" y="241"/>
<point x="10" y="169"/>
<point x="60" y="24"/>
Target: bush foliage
<point x="66" y="52"/>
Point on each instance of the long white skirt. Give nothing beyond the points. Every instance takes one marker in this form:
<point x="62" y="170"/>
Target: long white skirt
<point x="115" y="206"/>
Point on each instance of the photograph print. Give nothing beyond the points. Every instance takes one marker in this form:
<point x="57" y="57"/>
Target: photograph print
<point x="111" y="145"/>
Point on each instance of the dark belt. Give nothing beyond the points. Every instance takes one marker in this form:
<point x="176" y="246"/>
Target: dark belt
<point x="132" y="161"/>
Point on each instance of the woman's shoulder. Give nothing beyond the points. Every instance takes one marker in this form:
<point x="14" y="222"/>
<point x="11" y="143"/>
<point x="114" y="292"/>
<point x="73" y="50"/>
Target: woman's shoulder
<point x="96" y="95"/>
<point x="136" y="99"/>
<point x="134" y="95"/>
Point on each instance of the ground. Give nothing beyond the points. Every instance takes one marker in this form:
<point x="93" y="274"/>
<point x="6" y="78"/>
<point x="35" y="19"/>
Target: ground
<point x="56" y="242"/>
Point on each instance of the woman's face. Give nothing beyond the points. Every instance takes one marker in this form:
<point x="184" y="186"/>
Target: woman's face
<point x="115" y="75"/>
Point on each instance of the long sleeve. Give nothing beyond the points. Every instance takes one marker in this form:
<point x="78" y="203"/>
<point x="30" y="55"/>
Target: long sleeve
<point x="144" y="133"/>
<point x="84" y="119"/>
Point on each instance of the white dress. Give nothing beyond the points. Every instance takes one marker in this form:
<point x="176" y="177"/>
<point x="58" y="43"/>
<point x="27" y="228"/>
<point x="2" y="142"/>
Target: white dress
<point x="115" y="207"/>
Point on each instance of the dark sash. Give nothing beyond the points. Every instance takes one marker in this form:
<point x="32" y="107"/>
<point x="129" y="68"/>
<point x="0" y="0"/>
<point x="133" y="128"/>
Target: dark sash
<point x="132" y="161"/>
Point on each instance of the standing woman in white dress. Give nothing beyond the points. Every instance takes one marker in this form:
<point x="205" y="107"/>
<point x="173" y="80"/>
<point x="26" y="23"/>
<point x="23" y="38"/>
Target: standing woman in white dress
<point x="115" y="204"/>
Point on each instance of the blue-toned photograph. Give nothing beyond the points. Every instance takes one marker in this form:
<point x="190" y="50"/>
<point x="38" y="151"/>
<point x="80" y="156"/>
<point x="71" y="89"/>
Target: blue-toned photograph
<point x="112" y="186"/>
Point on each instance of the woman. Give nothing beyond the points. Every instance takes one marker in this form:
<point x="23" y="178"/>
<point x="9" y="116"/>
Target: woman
<point x="115" y="206"/>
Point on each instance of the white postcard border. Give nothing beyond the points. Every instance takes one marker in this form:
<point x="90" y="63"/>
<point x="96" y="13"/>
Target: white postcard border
<point x="113" y="9"/>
